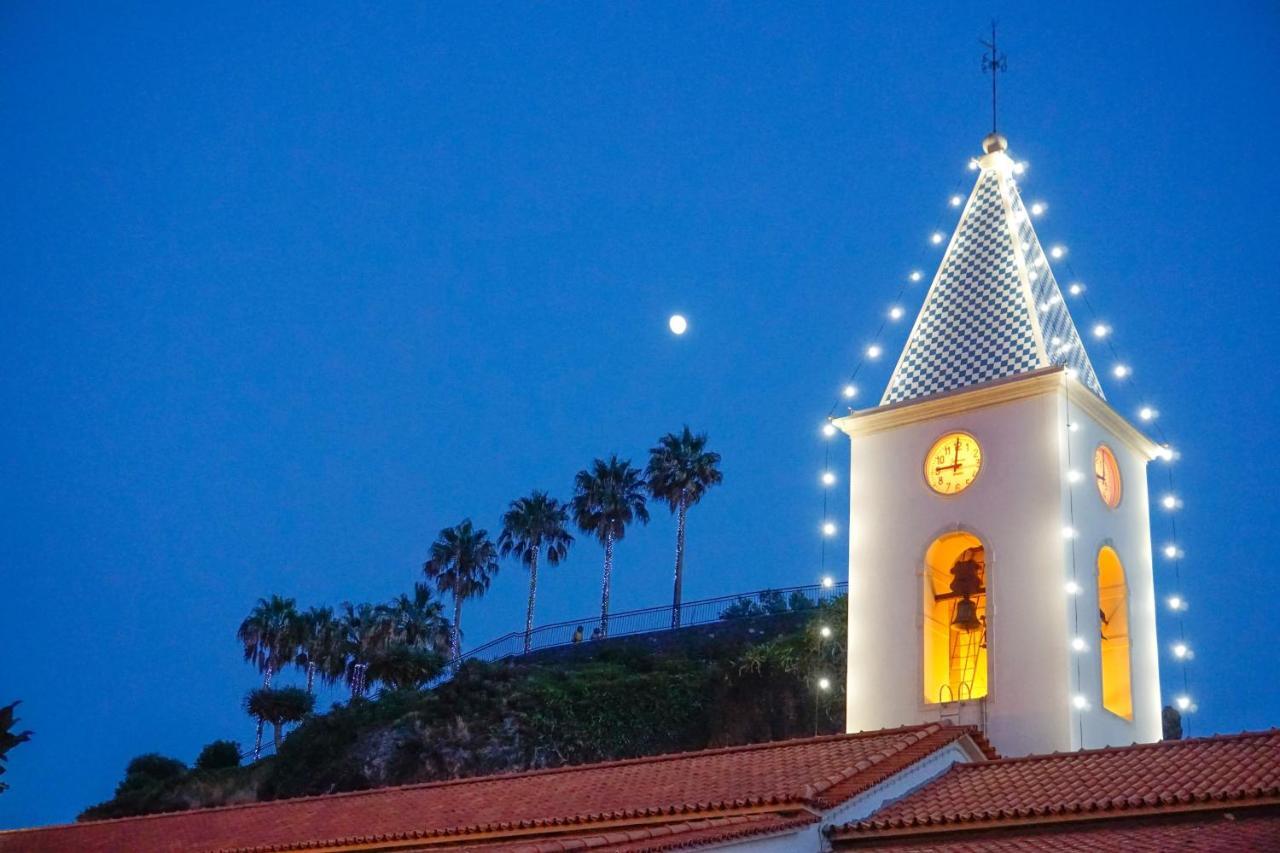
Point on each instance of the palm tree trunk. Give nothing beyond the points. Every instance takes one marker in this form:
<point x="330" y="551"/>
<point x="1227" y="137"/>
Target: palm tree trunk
<point x="257" y="739"/>
<point x="679" y="580"/>
<point x="311" y="676"/>
<point x="455" y="638"/>
<point x="533" y="591"/>
<point x="276" y="734"/>
<point x="604" y="591"/>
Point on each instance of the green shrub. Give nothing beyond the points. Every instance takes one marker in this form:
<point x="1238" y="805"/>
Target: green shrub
<point x="219" y="755"/>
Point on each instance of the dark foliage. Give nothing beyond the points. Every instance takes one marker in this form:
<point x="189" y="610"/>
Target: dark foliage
<point x="1171" y="723"/>
<point x="8" y="737"/>
<point x="219" y="755"/>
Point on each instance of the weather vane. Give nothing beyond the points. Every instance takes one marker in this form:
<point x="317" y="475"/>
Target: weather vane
<point x="995" y="63"/>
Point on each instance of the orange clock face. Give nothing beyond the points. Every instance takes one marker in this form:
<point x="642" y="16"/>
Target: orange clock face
<point x="1106" y="473"/>
<point x="952" y="463"/>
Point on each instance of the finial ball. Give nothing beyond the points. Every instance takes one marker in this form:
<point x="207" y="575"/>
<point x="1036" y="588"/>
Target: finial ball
<point x="994" y="142"/>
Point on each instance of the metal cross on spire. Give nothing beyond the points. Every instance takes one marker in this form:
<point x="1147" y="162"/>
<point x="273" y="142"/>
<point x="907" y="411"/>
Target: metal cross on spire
<point x="995" y="63"/>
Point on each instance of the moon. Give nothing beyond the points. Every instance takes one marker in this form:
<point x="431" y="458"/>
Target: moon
<point x="678" y="324"/>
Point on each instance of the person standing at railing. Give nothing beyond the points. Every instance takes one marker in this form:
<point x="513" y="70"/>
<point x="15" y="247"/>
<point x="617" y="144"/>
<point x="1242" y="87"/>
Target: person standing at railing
<point x="577" y="635"/>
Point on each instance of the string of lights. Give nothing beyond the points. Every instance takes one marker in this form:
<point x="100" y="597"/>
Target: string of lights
<point x="872" y="352"/>
<point x="1121" y="371"/>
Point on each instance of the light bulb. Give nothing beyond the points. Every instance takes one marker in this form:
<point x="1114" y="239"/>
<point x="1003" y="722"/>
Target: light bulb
<point x="895" y="313"/>
<point x="829" y="528"/>
<point x="1146" y="413"/>
<point x="678" y="324"/>
<point x="1058" y="251"/>
<point x="828" y="430"/>
<point x="1169" y="502"/>
<point x="824" y="683"/>
<point x="1074" y="476"/>
<point x="1078" y="644"/>
<point x="1073" y="426"/>
<point x="874" y="351"/>
<point x="850" y="391"/>
<point x="973" y="165"/>
<point x="1171" y="551"/>
<point x="1079" y="702"/>
<point x="916" y="275"/>
<point x="1180" y="650"/>
<point x="1183" y="702"/>
<point x="1176" y="602"/>
<point x="1165" y="453"/>
<point x="1020" y="167"/>
<point x="1120" y="371"/>
<point x="1076" y="289"/>
<point x="828" y="479"/>
<point x="1068" y="532"/>
<point x="828" y="582"/>
<point x="1101" y="330"/>
<point x="825" y="631"/>
<point x="936" y="237"/>
<point x="1038" y="208"/>
<point x="1072" y="588"/>
<point x="956" y="201"/>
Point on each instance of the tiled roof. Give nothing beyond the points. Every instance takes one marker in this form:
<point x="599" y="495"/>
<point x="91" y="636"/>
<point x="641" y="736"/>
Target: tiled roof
<point x="1218" y="832"/>
<point x="1165" y="778"/>
<point x="683" y="835"/>
<point x="777" y="778"/>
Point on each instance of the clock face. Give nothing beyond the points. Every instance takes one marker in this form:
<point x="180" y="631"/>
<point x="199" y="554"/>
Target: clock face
<point x="1106" y="473"/>
<point x="952" y="463"/>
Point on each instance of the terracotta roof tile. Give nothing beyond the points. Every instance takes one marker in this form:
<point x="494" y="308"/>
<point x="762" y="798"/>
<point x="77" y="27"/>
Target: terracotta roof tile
<point x="1170" y="776"/>
<point x="668" y="836"/>
<point x="670" y="789"/>
<point x="1216" y="832"/>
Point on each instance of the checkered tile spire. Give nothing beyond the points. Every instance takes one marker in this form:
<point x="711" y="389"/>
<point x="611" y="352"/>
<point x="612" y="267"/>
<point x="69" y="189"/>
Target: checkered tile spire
<point x="994" y="309"/>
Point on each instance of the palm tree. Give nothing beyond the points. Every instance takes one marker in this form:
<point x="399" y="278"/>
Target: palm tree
<point x="278" y="707"/>
<point x="8" y="737"/>
<point x="319" y="649"/>
<point x="608" y="496"/>
<point x="364" y="632"/>
<point x="269" y="637"/>
<point x="401" y="666"/>
<point x="418" y="620"/>
<point x="462" y="562"/>
<point x="531" y="524"/>
<point x="680" y="472"/>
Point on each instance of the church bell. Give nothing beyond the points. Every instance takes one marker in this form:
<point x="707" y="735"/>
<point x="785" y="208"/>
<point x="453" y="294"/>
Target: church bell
<point x="966" y="616"/>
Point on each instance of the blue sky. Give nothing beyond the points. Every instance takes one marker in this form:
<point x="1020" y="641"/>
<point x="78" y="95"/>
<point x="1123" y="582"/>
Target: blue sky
<point x="289" y="289"/>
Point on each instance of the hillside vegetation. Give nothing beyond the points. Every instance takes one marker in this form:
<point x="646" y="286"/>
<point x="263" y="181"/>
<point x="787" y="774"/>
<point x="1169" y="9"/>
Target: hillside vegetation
<point x="742" y="680"/>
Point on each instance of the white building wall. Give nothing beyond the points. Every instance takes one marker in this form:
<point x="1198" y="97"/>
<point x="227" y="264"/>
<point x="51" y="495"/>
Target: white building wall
<point x="1127" y="529"/>
<point x="1019" y="506"/>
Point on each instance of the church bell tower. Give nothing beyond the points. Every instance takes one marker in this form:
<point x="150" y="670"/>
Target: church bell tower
<point x="1000" y="565"/>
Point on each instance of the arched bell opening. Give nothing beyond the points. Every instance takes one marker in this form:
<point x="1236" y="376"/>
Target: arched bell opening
<point x="955" y="618"/>
<point x="1113" y="628"/>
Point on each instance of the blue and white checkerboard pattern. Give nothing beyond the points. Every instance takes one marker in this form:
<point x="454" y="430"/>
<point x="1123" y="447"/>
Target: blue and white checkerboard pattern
<point x="976" y="324"/>
<point x="1061" y="340"/>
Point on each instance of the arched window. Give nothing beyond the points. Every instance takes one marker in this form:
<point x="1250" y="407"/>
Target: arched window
<point x="1113" y="619"/>
<point x="955" y="619"/>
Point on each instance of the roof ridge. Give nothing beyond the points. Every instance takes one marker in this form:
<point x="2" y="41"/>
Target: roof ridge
<point x="542" y="771"/>
<point x="1101" y="750"/>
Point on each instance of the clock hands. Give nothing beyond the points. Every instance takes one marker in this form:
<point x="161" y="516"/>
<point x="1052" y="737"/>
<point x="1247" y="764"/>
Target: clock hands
<point x="956" y="464"/>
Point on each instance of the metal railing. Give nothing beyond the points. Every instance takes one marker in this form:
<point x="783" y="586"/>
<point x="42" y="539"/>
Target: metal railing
<point x="765" y="602"/>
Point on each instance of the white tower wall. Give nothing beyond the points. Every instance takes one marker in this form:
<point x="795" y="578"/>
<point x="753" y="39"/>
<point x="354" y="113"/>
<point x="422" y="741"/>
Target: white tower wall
<point x="1018" y="507"/>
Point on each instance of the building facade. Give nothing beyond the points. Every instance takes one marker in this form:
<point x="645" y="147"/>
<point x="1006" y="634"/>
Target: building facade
<point x="1000" y="561"/>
